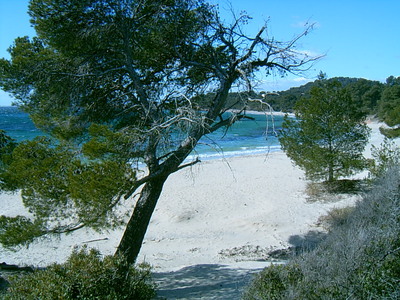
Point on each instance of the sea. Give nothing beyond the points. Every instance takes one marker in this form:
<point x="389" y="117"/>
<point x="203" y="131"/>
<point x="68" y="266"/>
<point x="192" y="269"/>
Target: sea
<point x="257" y="135"/>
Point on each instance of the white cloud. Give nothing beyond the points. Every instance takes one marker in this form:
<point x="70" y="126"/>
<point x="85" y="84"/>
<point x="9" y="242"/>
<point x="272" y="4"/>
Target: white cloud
<point x="301" y="79"/>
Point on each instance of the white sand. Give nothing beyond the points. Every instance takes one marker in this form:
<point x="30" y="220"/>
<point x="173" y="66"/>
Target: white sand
<point x="228" y="212"/>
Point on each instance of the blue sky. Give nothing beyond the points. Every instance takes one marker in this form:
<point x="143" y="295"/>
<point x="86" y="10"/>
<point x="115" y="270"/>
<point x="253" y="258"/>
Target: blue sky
<point x="360" y="38"/>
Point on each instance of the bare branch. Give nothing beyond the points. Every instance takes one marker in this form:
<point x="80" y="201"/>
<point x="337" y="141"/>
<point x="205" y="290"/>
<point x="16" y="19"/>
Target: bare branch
<point x="66" y="229"/>
<point x="249" y="52"/>
<point x="228" y="122"/>
<point x="268" y="112"/>
<point x="197" y="160"/>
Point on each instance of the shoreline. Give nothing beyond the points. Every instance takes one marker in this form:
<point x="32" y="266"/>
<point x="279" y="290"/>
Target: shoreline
<point x="229" y="211"/>
<point x="256" y="112"/>
<point x="254" y="205"/>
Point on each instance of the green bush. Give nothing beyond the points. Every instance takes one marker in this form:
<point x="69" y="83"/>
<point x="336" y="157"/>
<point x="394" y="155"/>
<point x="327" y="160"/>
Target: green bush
<point x="385" y="157"/>
<point x="336" y="217"/>
<point x="358" y="259"/>
<point x="381" y="277"/>
<point x="272" y="282"/>
<point x="85" y="275"/>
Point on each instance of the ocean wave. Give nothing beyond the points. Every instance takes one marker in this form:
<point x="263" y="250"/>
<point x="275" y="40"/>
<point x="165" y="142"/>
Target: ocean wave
<point x="243" y="151"/>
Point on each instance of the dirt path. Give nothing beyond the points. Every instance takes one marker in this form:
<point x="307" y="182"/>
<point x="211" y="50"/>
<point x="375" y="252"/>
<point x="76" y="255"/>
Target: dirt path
<point x="204" y="282"/>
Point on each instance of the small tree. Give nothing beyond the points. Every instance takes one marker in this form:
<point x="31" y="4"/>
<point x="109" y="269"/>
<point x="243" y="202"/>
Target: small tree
<point x="328" y="135"/>
<point x="117" y="83"/>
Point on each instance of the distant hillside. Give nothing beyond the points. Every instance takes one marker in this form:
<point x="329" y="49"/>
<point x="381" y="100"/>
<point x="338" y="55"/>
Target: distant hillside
<point x="374" y="98"/>
<point x="367" y="92"/>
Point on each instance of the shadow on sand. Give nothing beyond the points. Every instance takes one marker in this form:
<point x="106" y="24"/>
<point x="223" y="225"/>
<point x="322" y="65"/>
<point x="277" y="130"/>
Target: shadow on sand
<point x="307" y="242"/>
<point x="203" y="282"/>
<point x="214" y="281"/>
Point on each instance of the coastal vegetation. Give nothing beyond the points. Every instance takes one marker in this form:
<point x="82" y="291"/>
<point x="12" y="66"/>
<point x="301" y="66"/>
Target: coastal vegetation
<point x="114" y="84"/>
<point x="374" y="98"/>
<point x="384" y="156"/>
<point x="357" y="259"/>
<point x="7" y="145"/>
<point x="367" y="94"/>
<point x="389" y="110"/>
<point x="85" y="275"/>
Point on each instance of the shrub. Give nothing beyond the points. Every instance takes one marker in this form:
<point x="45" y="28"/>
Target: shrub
<point x="336" y="217"/>
<point x="85" y="275"/>
<point x="359" y="258"/>
<point x="272" y="282"/>
<point x="332" y="191"/>
<point x="385" y="156"/>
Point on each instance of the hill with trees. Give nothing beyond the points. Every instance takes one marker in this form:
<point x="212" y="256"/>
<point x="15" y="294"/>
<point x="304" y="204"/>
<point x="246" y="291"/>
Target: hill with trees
<point x="373" y="97"/>
<point x="366" y="92"/>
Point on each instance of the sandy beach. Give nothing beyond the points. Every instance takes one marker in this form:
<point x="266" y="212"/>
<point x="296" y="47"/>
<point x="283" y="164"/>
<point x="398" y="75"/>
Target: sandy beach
<point x="228" y="212"/>
<point x="213" y="227"/>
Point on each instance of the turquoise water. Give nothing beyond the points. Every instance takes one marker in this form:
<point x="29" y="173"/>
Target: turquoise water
<point x="17" y="124"/>
<point x="244" y="137"/>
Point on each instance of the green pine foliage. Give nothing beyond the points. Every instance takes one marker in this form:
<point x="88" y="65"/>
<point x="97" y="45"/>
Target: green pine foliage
<point x="328" y="135"/>
<point x="365" y="92"/>
<point x="57" y="184"/>
<point x="123" y="74"/>
<point x="85" y="275"/>
<point x="19" y="230"/>
<point x="385" y="156"/>
<point x="372" y="97"/>
<point x="358" y="259"/>
<point x="7" y="145"/>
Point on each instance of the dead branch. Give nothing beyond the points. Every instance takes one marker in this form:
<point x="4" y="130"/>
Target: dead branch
<point x="268" y="112"/>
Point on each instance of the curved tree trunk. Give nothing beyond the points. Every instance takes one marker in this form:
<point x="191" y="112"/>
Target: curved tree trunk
<point x="136" y="228"/>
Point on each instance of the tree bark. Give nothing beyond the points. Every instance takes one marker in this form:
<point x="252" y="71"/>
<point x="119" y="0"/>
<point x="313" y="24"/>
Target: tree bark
<point x="331" y="170"/>
<point x="136" y="228"/>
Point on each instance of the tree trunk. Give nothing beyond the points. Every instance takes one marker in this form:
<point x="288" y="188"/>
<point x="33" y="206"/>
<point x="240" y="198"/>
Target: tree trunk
<point x="330" y="172"/>
<point x="136" y="228"/>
